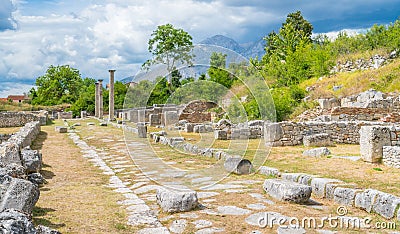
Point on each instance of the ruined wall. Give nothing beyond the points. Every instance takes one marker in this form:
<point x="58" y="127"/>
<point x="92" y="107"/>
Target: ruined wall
<point x="292" y="133"/>
<point x="16" y="119"/>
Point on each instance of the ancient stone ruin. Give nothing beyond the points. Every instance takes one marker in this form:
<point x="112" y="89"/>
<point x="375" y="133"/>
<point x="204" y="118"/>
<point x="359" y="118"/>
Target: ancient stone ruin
<point x="19" y="177"/>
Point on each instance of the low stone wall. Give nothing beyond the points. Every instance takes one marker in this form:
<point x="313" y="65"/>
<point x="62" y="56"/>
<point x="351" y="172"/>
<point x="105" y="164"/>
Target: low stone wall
<point x="358" y="114"/>
<point x="370" y="200"/>
<point x="292" y="133"/>
<point x="19" y="181"/>
<point x="18" y="119"/>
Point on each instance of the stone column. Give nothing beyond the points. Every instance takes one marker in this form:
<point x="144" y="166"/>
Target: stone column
<point x="96" y="101"/>
<point x="111" y="96"/>
<point x="101" y="99"/>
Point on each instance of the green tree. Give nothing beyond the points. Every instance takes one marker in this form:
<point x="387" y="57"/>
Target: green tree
<point x="86" y="100"/>
<point x="299" y="24"/>
<point x="60" y="84"/>
<point x="218" y="60"/>
<point x="170" y="46"/>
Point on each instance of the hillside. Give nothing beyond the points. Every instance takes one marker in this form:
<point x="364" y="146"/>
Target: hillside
<point x="342" y="84"/>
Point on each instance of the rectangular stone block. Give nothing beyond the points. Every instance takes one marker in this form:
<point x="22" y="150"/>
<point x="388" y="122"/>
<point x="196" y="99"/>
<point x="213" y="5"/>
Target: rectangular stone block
<point x="385" y="204"/>
<point x="391" y="156"/>
<point x="171" y="117"/>
<point x="220" y="135"/>
<point x="317" y="140"/>
<point x="155" y="119"/>
<point x="366" y="199"/>
<point x="269" y="171"/>
<point x="189" y="127"/>
<point x="142" y="130"/>
<point x="345" y="196"/>
<point x="285" y="190"/>
<point x="372" y="140"/>
<point x="319" y="186"/>
<point x="61" y="129"/>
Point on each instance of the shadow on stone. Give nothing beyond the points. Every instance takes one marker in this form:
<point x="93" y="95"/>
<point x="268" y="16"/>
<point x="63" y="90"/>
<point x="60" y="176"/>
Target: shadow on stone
<point x="37" y="144"/>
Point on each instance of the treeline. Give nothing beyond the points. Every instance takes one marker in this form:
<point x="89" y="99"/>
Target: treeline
<point x="293" y="55"/>
<point x="65" y="85"/>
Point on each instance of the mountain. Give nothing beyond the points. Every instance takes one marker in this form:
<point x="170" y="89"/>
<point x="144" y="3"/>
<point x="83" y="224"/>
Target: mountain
<point x="223" y="41"/>
<point x="248" y="50"/>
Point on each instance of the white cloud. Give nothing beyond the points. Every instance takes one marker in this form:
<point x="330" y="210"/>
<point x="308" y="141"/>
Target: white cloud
<point x="14" y="89"/>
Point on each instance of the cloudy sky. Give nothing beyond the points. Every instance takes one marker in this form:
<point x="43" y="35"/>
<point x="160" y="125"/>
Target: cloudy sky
<point x="94" y="36"/>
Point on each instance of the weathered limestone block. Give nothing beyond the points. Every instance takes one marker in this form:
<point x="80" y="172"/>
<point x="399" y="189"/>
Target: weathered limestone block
<point x="155" y="119"/>
<point x="285" y="190"/>
<point x="372" y="139"/>
<point x="175" y="140"/>
<point x="171" y="117"/>
<point x="199" y="128"/>
<point x="189" y="127"/>
<point x="273" y="132"/>
<point x="32" y="160"/>
<point x="366" y="199"/>
<point x="223" y="123"/>
<point x="9" y="153"/>
<point x="18" y="194"/>
<point x="174" y="201"/>
<point x="61" y="129"/>
<point x="142" y="130"/>
<point x="317" y="152"/>
<point x="269" y="171"/>
<point x="238" y="165"/>
<point x="294" y="177"/>
<point x="13" y="170"/>
<point x="385" y="204"/>
<point x="235" y="134"/>
<point x="220" y="134"/>
<point x="13" y="221"/>
<point x="317" y="140"/>
<point x="345" y="196"/>
<point x="319" y="186"/>
<point x="305" y="179"/>
<point x="391" y="156"/>
<point x="103" y="124"/>
<point x="46" y="230"/>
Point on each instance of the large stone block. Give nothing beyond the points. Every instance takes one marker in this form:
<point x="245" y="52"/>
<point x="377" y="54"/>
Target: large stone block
<point x="372" y="139"/>
<point x="171" y="117"/>
<point x="319" y="186"/>
<point x="18" y="194"/>
<point x="391" y="156"/>
<point x="220" y="135"/>
<point x="269" y="171"/>
<point x="317" y="152"/>
<point x="13" y="222"/>
<point x="345" y="196"/>
<point x="238" y="165"/>
<point x="317" y="140"/>
<point x="174" y="201"/>
<point x="285" y="190"/>
<point x="189" y="127"/>
<point x="200" y="128"/>
<point x="142" y="130"/>
<point x="155" y="119"/>
<point x="385" y="204"/>
<point x="61" y="129"/>
<point x="32" y="160"/>
<point x="272" y="132"/>
<point x="366" y="199"/>
<point x="10" y="153"/>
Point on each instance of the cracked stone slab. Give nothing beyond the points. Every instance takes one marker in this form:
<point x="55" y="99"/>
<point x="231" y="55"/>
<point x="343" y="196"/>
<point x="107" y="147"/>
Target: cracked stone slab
<point x="201" y="195"/>
<point x="256" y="206"/>
<point x="146" y="189"/>
<point x="201" y="223"/>
<point x="232" y="210"/>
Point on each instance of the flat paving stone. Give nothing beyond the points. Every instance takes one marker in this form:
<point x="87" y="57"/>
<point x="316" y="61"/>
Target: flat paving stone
<point x="146" y="189"/>
<point x="209" y="200"/>
<point x="210" y="230"/>
<point x="189" y="216"/>
<point x="201" y="223"/>
<point x="232" y="210"/>
<point x="159" y="230"/>
<point x="129" y="202"/>
<point x="178" y="226"/>
<point x="256" y="206"/>
<point x="201" y="195"/>
<point x="137" y="185"/>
